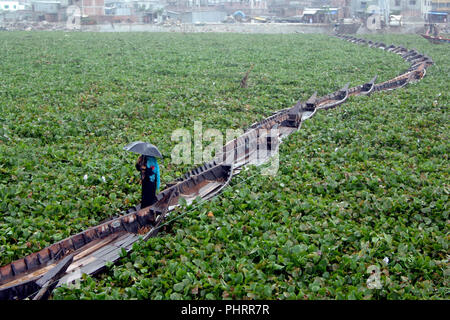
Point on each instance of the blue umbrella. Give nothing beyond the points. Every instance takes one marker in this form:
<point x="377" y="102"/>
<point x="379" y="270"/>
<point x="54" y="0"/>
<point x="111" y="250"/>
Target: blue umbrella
<point x="144" y="148"/>
<point x="239" y="13"/>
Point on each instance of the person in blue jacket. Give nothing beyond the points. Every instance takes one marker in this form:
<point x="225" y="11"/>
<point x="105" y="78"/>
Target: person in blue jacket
<point x="149" y="169"/>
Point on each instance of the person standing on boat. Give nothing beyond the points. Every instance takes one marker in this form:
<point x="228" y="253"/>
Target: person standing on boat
<point x="149" y="169"/>
<point x="150" y="179"/>
<point x="436" y="31"/>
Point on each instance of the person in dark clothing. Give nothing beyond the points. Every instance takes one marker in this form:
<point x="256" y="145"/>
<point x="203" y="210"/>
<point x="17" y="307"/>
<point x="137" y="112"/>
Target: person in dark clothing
<point x="436" y="31"/>
<point x="149" y="169"/>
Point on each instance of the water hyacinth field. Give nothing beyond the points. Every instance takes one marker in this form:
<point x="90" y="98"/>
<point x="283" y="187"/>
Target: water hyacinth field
<point x="359" y="188"/>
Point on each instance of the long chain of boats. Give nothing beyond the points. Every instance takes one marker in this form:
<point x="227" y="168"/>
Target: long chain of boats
<point x="37" y="274"/>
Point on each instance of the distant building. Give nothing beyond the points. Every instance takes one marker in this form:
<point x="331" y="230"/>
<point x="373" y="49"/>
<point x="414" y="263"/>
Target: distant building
<point x="51" y="7"/>
<point x="90" y="8"/>
<point x="345" y="7"/>
<point x="11" y="6"/>
<point x="249" y="7"/>
<point x="440" y="10"/>
<point x="119" y="8"/>
<point x="321" y="15"/>
<point x="203" y="16"/>
<point x="64" y="3"/>
<point x="406" y="8"/>
<point x="288" y="8"/>
<point x="362" y="8"/>
<point x="148" y="4"/>
<point x="50" y="11"/>
<point x="411" y="8"/>
<point x="440" y="5"/>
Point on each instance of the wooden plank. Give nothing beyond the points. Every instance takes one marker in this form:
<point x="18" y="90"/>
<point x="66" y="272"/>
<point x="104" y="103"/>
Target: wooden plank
<point x="112" y="256"/>
<point x="47" y="282"/>
<point x="130" y="240"/>
<point x="93" y="267"/>
<point x="55" y="272"/>
<point x="78" y="264"/>
<point x="209" y="188"/>
<point x="29" y="276"/>
<point x="118" y="242"/>
<point x="96" y="246"/>
<point x="90" y="265"/>
<point x="70" y="277"/>
<point x="104" y="251"/>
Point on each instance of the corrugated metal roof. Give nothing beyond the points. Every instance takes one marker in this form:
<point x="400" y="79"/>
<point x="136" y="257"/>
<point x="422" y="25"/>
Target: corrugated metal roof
<point x="438" y="13"/>
<point x="310" y="11"/>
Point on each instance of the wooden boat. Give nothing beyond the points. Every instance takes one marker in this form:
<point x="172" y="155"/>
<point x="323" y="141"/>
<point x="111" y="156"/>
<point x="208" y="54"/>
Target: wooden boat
<point x="400" y="50"/>
<point x="421" y="59"/>
<point x="411" y="54"/>
<point x="396" y="83"/>
<point x="309" y="108"/>
<point x="419" y="71"/>
<point x="93" y="248"/>
<point x="381" y="45"/>
<point x="269" y="122"/>
<point x="436" y="40"/>
<point x="364" y="89"/>
<point x="390" y="48"/>
<point x="414" y="57"/>
<point x="334" y="99"/>
<point x="300" y="112"/>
